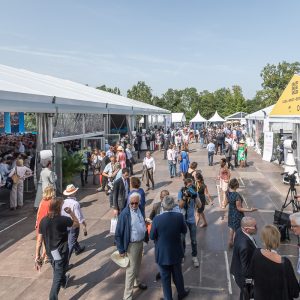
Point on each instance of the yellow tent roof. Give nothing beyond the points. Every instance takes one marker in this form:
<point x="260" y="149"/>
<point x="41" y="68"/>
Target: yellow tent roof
<point x="288" y="105"/>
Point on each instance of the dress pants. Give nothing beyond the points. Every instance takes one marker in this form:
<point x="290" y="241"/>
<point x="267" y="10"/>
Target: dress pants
<point x="16" y="194"/>
<point x="59" y="275"/>
<point x="240" y="281"/>
<point x="174" y="271"/>
<point x="134" y="253"/>
<point x="73" y="244"/>
<point x="149" y="177"/>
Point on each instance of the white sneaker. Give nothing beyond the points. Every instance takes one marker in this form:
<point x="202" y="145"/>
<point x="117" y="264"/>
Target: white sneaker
<point x="195" y="261"/>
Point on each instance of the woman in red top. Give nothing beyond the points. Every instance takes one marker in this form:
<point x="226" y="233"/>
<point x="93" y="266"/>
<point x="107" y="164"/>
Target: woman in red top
<point x="43" y="210"/>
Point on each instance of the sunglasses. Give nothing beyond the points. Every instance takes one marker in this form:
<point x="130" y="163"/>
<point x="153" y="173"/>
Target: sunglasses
<point x="134" y="203"/>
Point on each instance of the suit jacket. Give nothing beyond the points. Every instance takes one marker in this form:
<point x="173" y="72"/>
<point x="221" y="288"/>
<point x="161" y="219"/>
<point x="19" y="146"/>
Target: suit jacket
<point x="119" y="197"/>
<point x="168" y="244"/>
<point x="243" y="251"/>
<point x="155" y="210"/>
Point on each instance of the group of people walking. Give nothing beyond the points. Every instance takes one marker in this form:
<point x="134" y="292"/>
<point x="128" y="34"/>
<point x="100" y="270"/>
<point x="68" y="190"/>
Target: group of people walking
<point x="59" y="221"/>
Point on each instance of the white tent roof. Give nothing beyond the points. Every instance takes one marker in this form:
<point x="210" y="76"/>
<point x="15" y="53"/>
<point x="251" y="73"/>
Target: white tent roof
<point x="216" y="118"/>
<point x="198" y="119"/>
<point x="236" y="116"/>
<point x="178" y="117"/>
<point x="260" y="115"/>
<point x="25" y="91"/>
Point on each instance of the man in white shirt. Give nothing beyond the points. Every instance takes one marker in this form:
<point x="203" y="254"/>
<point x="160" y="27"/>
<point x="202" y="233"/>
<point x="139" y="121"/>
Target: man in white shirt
<point x="21" y="148"/>
<point x="129" y="159"/>
<point x="149" y="169"/>
<point x="211" y="151"/>
<point x="171" y="160"/>
<point x="73" y="232"/>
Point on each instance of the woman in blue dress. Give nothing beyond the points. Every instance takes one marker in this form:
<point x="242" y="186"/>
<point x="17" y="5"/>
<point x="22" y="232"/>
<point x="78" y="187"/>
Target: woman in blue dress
<point x="184" y="162"/>
<point x="236" y="210"/>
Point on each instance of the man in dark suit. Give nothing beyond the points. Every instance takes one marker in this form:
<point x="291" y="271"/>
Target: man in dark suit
<point x="168" y="247"/>
<point x="120" y="192"/>
<point x="157" y="207"/>
<point x="243" y="249"/>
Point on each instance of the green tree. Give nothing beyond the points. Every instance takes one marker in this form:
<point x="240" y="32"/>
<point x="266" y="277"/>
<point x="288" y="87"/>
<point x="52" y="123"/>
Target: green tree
<point x="141" y="92"/>
<point x="30" y="122"/>
<point x="114" y="90"/>
<point x="275" y="79"/>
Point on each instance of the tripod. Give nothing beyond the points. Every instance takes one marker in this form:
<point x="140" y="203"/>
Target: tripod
<point x="292" y="192"/>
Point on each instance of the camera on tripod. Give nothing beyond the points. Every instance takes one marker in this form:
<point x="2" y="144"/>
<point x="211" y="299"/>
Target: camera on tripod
<point x="290" y="178"/>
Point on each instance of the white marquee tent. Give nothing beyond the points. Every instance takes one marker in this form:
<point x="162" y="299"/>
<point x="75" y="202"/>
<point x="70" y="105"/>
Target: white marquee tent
<point x="25" y="91"/>
<point x="216" y="118"/>
<point x="178" y="118"/>
<point x="198" y="119"/>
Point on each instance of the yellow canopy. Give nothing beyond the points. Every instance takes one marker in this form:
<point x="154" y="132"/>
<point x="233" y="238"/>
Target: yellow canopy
<point x="289" y="102"/>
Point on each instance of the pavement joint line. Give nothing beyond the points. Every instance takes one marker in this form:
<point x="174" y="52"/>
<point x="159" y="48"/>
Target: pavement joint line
<point x="266" y="210"/>
<point x="201" y="264"/>
<point x="245" y="201"/>
<point x="243" y="184"/>
<point x="205" y="288"/>
<point x="13" y="224"/>
<point x="6" y="243"/>
<point x="275" y="205"/>
<point x="228" y="273"/>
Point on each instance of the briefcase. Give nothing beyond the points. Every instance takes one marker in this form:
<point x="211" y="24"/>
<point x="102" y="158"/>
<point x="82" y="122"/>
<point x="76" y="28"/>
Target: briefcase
<point x="282" y="218"/>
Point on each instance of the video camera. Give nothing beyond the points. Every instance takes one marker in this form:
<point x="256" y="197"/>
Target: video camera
<point x="291" y="178"/>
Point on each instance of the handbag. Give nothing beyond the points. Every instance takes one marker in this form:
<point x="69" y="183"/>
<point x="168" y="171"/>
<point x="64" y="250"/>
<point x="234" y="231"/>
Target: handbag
<point x="9" y="183"/>
<point x="15" y="178"/>
<point x="113" y="225"/>
<point x="282" y="218"/>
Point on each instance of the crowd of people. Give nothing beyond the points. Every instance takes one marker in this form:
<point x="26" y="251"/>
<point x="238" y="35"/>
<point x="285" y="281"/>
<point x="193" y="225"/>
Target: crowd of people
<point x="17" y="158"/>
<point x="59" y="220"/>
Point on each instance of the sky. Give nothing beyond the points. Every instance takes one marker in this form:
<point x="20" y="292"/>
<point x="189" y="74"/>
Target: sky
<point x="166" y="43"/>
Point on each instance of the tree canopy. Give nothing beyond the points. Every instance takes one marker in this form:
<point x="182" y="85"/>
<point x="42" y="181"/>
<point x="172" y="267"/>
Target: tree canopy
<point x="225" y="100"/>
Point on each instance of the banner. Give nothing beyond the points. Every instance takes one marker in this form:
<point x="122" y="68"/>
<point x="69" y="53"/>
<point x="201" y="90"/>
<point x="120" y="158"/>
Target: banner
<point x="268" y="146"/>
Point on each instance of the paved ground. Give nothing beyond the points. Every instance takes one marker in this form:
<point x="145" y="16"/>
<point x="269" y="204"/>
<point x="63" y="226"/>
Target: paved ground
<point x="94" y="276"/>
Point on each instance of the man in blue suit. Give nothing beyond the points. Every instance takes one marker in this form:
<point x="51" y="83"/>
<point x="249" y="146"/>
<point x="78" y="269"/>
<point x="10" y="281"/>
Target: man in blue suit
<point x="166" y="232"/>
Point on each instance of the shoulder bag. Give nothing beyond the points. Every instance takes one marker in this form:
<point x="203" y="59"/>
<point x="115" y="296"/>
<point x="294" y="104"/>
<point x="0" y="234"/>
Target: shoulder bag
<point x="15" y="178"/>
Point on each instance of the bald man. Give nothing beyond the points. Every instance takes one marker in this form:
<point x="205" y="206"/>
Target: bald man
<point x="243" y="249"/>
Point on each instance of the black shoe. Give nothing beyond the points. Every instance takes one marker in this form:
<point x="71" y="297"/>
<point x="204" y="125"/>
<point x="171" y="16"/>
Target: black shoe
<point x="142" y="286"/>
<point x="186" y="292"/>
<point x="80" y="250"/>
<point x="157" y="277"/>
<point x="70" y="266"/>
<point x="65" y="284"/>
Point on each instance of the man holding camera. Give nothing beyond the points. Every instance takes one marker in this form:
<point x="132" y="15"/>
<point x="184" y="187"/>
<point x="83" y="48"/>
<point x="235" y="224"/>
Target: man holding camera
<point x="188" y="202"/>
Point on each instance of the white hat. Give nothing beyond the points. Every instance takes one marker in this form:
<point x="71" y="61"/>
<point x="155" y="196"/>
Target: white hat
<point x="70" y="189"/>
<point x="122" y="262"/>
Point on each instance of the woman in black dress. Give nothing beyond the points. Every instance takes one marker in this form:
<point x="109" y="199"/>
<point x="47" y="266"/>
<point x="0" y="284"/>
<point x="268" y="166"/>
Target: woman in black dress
<point x="202" y="191"/>
<point x="273" y="275"/>
<point x="191" y="172"/>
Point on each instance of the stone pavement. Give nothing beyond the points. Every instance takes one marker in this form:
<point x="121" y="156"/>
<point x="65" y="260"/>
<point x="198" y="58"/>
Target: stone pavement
<point x="95" y="276"/>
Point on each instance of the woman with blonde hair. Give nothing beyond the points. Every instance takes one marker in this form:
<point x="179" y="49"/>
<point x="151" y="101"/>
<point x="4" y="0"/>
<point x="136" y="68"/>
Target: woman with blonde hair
<point x="48" y="194"/>
<point x="121" y="157"/>
<point x="273" y="275"/>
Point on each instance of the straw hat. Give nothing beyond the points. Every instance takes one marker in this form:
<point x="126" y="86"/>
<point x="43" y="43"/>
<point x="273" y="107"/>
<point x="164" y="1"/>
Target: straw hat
<point x="122" y="262"/>
<point x="120" y="148"/>
<point x="242" y="141"/>
<point x="70" y="189"/>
